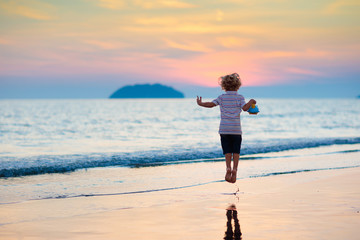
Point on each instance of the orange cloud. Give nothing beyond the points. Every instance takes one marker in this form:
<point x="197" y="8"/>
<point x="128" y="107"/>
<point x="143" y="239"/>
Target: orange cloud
<point x="206" y="68"/>
<point x="163" y="4"/>
<point x="112" y="4"/>
<point x="154" y="21"/>
<point x="146" y="4"/>
<point x="4" y="41"/>
<point x="30" y="9"/>
<point x="165" y="39"/>
<point x="342" y="6"/>
<point x="286" y="54"/>
<point x="106" y="45"/>
<point x="231" y="42"/>
<point x="219" y="15"/>
<point x="188" y="46"/>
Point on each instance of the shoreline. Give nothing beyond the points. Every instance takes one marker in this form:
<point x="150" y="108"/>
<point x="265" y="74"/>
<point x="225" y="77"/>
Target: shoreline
<point x="307" y="205"/>
<point x="72" y="162"/>
<point x="112" y="181"/>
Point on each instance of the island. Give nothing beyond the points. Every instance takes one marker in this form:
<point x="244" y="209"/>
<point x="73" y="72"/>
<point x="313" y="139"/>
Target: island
<point x="147" y="91"/>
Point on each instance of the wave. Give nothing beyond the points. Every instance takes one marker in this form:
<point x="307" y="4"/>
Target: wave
<point x="17" y="167"/>
<point x="178" y="187"/>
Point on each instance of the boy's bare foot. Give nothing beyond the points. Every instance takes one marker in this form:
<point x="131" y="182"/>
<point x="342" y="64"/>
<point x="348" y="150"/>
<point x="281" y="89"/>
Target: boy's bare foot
<point x="233" y="175"/>
<point x="228" y="175"/>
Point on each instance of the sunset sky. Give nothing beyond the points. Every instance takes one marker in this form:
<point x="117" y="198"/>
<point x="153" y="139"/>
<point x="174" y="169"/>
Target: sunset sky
<point x="105" y="44"/>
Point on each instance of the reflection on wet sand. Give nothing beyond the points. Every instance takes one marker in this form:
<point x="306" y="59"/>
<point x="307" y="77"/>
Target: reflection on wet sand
<point x="231" y="213"/>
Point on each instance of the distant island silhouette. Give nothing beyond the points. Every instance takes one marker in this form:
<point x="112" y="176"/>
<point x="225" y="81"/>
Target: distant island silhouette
<point x="147" y="91"/>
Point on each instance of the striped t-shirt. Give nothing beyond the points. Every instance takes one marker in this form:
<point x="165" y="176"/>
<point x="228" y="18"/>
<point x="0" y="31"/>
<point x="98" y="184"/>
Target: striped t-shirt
<point x="231" y="104"/>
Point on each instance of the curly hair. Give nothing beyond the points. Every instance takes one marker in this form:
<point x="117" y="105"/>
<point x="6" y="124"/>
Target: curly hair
<point x="231" y="82"/>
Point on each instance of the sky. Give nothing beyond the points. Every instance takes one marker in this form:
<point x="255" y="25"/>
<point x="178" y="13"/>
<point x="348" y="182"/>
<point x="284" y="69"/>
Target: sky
<point x="92" y="47"/>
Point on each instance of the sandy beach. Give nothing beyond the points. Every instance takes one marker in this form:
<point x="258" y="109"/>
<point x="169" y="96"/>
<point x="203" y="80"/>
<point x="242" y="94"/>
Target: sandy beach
<point x="308" y="205"/>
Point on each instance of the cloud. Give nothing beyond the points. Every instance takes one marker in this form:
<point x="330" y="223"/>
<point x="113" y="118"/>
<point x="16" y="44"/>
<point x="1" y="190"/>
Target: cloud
<point x="105" y="45"/>
<point x="188" y="46"/>
<point x="145" y="4"/>
<point x="342" y="6"/>
<point x="197" y="28"/>
<point x="4" y="41"/>
<point x="302" y="71"/>
<point x="309" y="53"/>
<point x="156" y="21"/>
<point x="112" y="4"/>
<point x="230" y="42"/>
<point x="163" y="4"/>
<point x="30" y="9"/>
<point x="265" y="40"/>
<point x="219" y="15"/>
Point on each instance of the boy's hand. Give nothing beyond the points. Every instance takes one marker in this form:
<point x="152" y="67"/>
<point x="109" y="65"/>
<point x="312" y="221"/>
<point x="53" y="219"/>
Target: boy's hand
<point x="199" y="100"/>
<point x="247" y="106"/>
<point x="204" y="104"/>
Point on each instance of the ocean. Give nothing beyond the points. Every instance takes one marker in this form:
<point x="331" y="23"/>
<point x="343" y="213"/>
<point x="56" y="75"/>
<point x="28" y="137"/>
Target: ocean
<point x="75" y="148"/>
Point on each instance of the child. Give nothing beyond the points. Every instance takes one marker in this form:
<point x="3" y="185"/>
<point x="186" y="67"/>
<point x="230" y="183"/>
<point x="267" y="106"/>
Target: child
<point x="231" y="104"/>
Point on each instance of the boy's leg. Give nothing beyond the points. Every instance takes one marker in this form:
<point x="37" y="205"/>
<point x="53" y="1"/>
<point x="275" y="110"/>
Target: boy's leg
<point x="226" y="144"/>
<point x="236" y="157"/>
<point x="228" y="167"/>
<point x="228" y="160"/>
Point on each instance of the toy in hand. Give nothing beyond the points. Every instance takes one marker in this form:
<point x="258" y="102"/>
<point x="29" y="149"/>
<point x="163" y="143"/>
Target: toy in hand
<point x="253" y="109"/>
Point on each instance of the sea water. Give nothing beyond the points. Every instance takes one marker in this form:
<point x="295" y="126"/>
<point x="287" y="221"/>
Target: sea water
<point x="72" y="148"/>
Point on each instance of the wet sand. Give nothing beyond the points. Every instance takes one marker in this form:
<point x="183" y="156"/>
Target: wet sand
<point x="309" y="205"/>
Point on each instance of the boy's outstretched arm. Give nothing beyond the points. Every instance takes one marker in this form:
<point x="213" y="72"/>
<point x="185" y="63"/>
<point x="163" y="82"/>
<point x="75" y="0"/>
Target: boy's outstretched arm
<point x="204" y="104"/>
<point x="248" y="105"/>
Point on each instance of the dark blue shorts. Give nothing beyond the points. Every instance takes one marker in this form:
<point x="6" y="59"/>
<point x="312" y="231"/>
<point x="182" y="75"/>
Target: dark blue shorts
<point x="230" y="143"/>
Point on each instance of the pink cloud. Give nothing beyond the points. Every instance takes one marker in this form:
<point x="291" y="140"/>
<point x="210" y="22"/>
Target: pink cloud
<point x="304" y="72"/>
